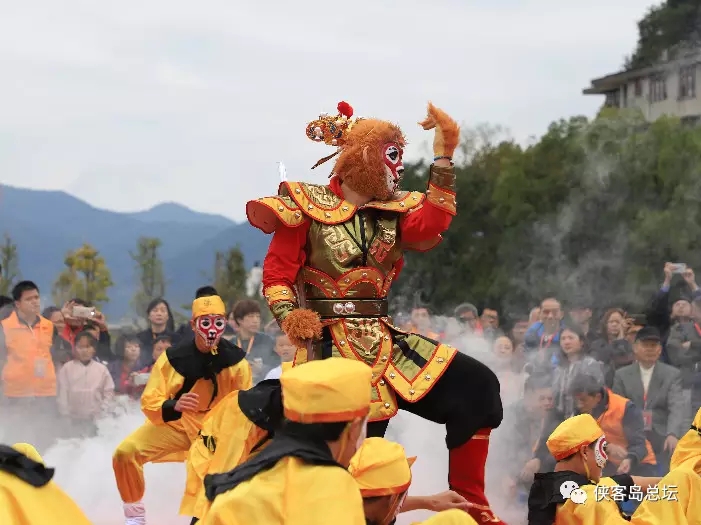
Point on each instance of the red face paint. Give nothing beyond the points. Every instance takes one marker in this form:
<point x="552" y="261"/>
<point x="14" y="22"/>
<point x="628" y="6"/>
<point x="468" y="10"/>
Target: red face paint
<point x="392" y="156"/>
<point x="600" y="455"/>
<point x="209" y="329"/>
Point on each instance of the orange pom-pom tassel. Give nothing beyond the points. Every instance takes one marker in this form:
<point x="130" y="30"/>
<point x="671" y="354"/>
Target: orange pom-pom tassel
<point x="345" y="109"/>
<point x="302" y="325"/>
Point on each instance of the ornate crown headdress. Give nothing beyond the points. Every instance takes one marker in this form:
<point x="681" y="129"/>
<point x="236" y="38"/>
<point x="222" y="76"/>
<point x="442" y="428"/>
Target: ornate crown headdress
<point x="332" y="130"/>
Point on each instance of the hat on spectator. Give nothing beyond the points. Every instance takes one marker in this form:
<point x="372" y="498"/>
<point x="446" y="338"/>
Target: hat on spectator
<point x="648" y="333"/>
<point x="573" y="434"/>
<point x="380" y="468"/>
<point x="332" y="390"/>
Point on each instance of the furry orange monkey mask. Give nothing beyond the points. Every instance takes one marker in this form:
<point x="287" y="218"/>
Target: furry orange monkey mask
<point x="369" y="151"/>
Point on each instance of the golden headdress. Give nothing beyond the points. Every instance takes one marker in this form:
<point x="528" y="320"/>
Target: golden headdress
<point x="332" y="130"/>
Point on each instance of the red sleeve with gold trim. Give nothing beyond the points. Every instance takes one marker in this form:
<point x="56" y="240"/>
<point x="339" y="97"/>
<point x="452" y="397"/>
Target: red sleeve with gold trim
<point x="421" y="227"/>
<point x="282" y="263"/>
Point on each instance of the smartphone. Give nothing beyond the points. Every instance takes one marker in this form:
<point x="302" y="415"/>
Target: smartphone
<point x="141" y="379"/>
<point x="83" y="312"/>
<point x="678" y="267"/>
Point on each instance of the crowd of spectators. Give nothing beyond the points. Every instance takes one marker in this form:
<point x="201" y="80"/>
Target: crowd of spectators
<point x="638" y="374"/>
<point x="61" y="371"/>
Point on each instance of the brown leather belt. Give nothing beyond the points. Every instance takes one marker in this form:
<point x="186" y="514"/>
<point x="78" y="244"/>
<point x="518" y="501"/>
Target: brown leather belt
<point x="349" y="307"/>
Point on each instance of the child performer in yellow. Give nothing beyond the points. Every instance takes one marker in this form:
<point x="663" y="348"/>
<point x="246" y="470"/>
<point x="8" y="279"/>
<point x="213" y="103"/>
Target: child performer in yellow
<point x="383" y="474"/>
<point x="187" y="380"/>
<point x="242" y="424"/>
<point x="301" y="477"/>
<point x="576" y="494"/>
<point x="28" y="496"/>
<point x="687" y="454"/>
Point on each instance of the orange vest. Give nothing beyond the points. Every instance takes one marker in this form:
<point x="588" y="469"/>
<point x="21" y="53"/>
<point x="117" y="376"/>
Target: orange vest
<point x="29" y="371"/>
<point x="611" y="422"/>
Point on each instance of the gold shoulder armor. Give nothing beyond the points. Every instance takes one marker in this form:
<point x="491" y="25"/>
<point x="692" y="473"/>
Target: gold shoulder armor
<point x="269" y="213"/>
<point x="403" y="202"/>
<point x="318" y="202"/>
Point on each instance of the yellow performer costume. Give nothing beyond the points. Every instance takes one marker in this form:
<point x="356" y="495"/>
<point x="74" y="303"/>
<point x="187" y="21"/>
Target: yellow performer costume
<point x="186" y="382"/>
<point x="573" y="494"/>
<point x="449" y="517"/>
<point x="688" y="451"/>
<point x="241" y="425"/>
<point x="28" y="496"/>
<point x="301" y="477"/>
<point x="383" y="474"/>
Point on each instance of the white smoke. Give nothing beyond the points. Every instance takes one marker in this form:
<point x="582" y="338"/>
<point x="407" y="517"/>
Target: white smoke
<point x="84" y="466"/>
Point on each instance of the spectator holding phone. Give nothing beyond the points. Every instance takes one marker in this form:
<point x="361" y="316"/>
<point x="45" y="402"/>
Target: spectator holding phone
<point x="139" y="379"/>
<point x="76" y="314"/>
<point x="128" y="362"/>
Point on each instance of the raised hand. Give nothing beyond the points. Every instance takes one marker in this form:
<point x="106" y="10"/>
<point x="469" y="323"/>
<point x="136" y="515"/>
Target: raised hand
<point x="189" y="402"/>
<point x="447" y="134"/>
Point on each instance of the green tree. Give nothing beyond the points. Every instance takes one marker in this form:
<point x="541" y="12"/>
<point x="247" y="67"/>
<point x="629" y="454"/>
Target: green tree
<point x="230" y="275"/>
<point x="589" y="212"/>
<point x="9" y="262"/>
<point x="149" y="271"/>
<point x="672" y="26"/>
<point x="85" y="276"/>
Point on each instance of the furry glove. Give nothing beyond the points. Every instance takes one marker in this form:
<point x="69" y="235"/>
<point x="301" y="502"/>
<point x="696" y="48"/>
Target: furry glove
<point x="447" y="131"/>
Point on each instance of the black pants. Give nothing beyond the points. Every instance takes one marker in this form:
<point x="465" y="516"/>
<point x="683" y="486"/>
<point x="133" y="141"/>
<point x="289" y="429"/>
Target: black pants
<point x="465" y="399"/>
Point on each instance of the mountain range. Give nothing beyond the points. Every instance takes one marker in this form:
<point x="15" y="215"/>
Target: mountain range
<point x="45" y="225"/>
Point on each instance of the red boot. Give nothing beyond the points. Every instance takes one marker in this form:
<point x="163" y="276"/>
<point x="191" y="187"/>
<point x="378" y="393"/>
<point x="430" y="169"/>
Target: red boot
<point x="466" y="475"/>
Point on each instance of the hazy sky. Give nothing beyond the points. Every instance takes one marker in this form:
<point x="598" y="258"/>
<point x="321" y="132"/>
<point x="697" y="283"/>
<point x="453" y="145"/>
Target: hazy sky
<point x="128" y="104"/>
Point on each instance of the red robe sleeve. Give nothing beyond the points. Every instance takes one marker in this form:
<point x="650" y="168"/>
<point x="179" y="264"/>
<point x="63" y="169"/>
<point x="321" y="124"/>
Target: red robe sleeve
<point x="424" y="225"/>
<point x="284" y="260"/>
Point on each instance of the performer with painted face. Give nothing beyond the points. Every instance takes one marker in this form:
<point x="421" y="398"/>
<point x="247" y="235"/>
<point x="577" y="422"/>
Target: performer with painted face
<point x="335" y="252"/>
<point x="186" y="382"/>
<point x="577" y="494"/>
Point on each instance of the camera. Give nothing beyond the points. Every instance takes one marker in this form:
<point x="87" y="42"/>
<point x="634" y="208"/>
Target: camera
<point x="678" y="267"/>
<point x="141" y="379"/>
<point x="83" y="312"/>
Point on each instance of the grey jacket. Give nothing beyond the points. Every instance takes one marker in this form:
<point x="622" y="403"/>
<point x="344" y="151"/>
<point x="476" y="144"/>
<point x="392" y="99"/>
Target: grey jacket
<point x="688" y="361"/>
<point x="664" y="397"/>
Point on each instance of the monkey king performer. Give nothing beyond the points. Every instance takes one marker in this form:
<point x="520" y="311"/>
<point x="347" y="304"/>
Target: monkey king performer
<point x="335" y="252"/>
<point x="186" y="382"/>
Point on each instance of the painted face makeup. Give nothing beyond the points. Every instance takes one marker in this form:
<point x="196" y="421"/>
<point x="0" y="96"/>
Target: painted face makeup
<point x="394" y="169"/>
<point x="209" y="329"/>
<point x="600" y="455"/>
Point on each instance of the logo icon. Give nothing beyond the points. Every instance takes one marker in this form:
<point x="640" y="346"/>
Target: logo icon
<point x="570" y="490"/>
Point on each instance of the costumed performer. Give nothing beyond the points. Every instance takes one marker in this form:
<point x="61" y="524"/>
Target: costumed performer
<point x="301" y="477"/>
<point x="186" y="381"/>
<point x="687" y="454"/>
<point x="335" y="252"/>
<point x="383" y="474"/>
<point x="28" y="496"/>
<point x="241" y="425"/>
<point x="577" y="494"/>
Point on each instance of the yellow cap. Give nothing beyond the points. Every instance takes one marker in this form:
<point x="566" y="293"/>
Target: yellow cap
<point x="211" y="305"/>
<point x="286" y="366"/>
<point x="29" y="451"/>
<point x="331" y="390"/>
<point x="449" y="517"/>
<point x="687" y="450"/>
<point x="381" y="468"/>
<point x="573" y="434"/>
